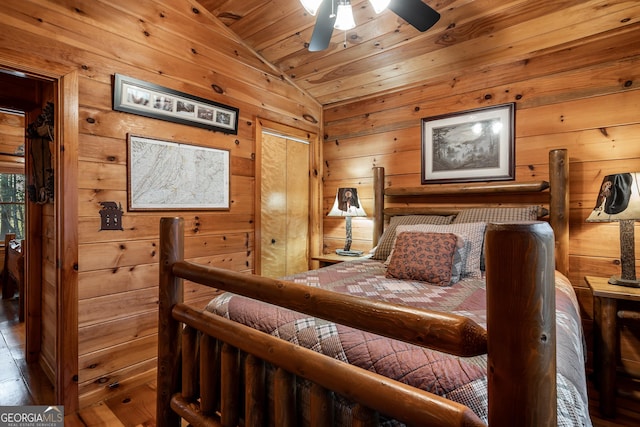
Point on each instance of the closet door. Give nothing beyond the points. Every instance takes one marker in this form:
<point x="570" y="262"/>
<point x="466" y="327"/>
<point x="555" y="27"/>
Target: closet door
<point x="273" y="210"/>
<point x="284" y="206"/>
<point x="297" y="207"/>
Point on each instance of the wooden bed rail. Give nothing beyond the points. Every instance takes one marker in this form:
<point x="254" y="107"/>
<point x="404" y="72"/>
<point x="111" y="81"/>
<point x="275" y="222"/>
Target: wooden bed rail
<point x="441" y="331"/>
<point x="557" y="186"/>
<point x="372" y="390"/>
<point x="487" y="188"/>
<point x="520" y="323"/>
<point x="446" y="332"/>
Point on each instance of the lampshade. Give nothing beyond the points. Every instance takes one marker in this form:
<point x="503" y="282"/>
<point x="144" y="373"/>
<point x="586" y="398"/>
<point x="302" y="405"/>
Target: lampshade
<point x="347" y="203"/>
<point x="379" y="5"/>
<point x="619" y="200"/>
<point x="311" y="6"/>
<point x="344" y="16"/>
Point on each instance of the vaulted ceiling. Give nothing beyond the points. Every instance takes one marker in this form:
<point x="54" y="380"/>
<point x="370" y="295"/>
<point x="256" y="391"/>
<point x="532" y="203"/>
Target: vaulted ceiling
<point x="385" y="53"/>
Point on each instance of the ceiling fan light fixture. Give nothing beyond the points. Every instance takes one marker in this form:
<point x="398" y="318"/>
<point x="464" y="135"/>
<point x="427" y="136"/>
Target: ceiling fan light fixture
<point x="379" y="5"/>
<point x="344" y="16"/>
<point x="416" y="13"/>
<point x="311" y="6"/>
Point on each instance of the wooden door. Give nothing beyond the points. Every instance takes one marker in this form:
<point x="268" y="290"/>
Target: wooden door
<point x="297" y="258"/>
<point x="273" y="207"/>
<point x="284" y="206"/>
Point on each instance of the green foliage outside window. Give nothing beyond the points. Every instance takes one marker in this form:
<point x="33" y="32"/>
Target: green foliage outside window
<point x="12" y="199"/>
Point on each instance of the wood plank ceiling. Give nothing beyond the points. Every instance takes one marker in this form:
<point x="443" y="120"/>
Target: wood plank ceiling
<point x="384" y="53"/>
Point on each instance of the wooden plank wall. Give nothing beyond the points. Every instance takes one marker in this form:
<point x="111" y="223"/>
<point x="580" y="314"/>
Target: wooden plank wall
<point x="585" y="98"/>
<point x="166" y="42"/>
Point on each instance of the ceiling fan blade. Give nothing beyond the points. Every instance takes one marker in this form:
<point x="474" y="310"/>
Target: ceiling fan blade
<point x="416" y="13"/>
<point x="323" y="30"/>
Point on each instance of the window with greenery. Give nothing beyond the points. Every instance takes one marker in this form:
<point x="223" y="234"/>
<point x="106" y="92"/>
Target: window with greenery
<point x="12" y="199"/>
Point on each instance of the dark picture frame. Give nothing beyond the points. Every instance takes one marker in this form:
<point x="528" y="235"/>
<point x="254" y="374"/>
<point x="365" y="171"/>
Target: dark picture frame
<point x="165" y="175"/>
<point x="469" y="146"/>
<point x="150" y="100"/>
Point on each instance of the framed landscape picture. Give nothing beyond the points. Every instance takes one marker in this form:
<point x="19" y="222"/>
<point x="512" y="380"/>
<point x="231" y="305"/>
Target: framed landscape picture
<point x="167" y="175"/>
<point x="474" y="145"/>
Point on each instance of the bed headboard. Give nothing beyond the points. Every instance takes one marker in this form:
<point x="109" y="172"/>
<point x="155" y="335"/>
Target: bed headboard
<point x="415" y="201"/>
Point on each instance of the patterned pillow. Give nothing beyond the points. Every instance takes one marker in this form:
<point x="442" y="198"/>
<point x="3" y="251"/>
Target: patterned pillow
<point x="506" y="214"/>
<point x="472" y="233"/>
<point x="459" y="258"/>
<point x="385" y="244"/>
<point x="427" y="257"/>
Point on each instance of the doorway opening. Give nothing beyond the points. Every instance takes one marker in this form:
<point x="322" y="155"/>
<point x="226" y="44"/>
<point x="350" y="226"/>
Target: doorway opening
<point x="51" y="255"/>
<point x="30" y="376"/>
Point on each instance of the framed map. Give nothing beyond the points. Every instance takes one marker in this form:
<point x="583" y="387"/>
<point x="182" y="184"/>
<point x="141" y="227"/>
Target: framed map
<point x="168" y="175"/>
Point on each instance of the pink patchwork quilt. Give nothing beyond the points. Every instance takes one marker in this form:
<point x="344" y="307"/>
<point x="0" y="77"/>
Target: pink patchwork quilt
<point x="456" y="378"/>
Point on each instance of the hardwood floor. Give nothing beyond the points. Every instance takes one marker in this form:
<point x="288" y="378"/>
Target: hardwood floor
<point x="137" y="409"/>
<point x="23" y="384"/>
<point x="20" y="383"/>
<point x="26" y="384"/>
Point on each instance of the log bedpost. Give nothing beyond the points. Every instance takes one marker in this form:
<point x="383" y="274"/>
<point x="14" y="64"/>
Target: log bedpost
<point x="169" y="331"/>
<point x="521" y="322"/>
<point x="559" y="206"/>
<point x="378" y="203"/>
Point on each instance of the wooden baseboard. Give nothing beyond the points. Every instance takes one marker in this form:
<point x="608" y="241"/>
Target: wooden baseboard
<point x="47" y="369"/>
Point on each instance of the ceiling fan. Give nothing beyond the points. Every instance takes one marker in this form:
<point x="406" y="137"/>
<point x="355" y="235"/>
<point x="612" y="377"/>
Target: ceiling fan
<point x="415" y="12"/>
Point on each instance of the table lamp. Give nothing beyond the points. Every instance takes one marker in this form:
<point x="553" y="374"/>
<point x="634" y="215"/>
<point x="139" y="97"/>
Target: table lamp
<point x="619" y="200"/>
<point x="347" y="205"/>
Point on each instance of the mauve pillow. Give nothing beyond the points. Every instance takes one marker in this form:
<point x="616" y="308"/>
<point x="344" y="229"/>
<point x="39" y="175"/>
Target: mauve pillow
<point x="427" y="257"/>
<point x="459" y="259"/>
<point x="473" y="235"/>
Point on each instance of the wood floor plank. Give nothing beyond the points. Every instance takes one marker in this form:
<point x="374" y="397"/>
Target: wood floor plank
<point x="9" y="368"/>
<point x="99" y="415"/>
<point x="73" y="420"/>
<point x="137" y="407"/>
<point x="14" y="392"/>
<point x="13" y="387"/>
<point x="40" y="388"/>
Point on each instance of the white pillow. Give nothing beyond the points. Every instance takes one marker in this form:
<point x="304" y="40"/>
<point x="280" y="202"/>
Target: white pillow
<point x="497" y="214"/>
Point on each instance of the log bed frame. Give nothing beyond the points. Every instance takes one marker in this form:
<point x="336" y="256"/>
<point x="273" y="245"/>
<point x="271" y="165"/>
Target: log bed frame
<point x="200" y="372"/>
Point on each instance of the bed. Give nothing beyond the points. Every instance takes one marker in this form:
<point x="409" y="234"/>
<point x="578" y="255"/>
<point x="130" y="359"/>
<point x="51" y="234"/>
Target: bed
<point x="347" y="345"/>
<point x="13" y="272"/>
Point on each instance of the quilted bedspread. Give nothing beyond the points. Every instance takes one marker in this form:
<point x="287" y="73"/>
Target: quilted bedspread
<point x="456" y="378"/>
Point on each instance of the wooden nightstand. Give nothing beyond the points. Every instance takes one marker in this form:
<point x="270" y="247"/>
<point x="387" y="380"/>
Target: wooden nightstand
<point x="328" y="259"/>
<point x="605" y="299"/>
